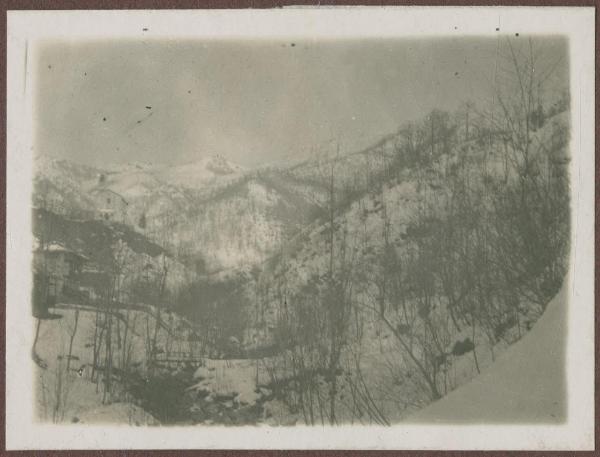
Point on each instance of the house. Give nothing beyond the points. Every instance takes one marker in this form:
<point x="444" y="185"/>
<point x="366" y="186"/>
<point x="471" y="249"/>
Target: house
<point x="55" y="269"/>
<point x="111" y="206"/>
<point x="93" y="281"/>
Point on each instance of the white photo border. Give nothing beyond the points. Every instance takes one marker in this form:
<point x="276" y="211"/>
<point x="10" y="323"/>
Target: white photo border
<point x="26" y="28"/>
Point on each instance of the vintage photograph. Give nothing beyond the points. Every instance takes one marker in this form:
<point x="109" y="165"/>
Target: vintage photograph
<point x="286" y="232"/>
<point x="283" y="233"/>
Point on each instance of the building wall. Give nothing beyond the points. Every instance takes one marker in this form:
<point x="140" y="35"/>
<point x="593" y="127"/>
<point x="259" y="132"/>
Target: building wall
<point x="111" y="206"/>
<point x="58" y="267"/>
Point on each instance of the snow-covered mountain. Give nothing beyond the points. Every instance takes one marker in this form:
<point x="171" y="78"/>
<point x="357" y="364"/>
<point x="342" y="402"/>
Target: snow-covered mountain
<point x="210" y="171"/>
<point x="387" y="207"/>
<point x="59" y="184"/>
<point x="211" y="212"/>
<point x="371" y="239"/>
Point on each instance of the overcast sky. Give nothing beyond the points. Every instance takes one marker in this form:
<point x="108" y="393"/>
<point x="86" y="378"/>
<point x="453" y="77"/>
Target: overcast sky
<point x="253" y="102"/>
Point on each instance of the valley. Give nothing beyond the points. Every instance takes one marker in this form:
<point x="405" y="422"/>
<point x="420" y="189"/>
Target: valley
<point x="355" y="287"/>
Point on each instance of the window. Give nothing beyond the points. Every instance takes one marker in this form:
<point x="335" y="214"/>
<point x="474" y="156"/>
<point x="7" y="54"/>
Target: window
<point x="108" y="200"/>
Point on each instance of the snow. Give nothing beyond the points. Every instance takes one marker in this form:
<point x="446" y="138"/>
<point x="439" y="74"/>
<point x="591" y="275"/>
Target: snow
<point x="235" y="379"/>
<point x="214" y="209"/>
<point x="130" y="183"/>
<point x="525" y="384"/>
<point x="198" y="175"/>
<point x="79" y="399"/>
<point x="201" y="373"/>
<point x="56" y="247"/>
<point x="83" y="405"/>
<point x="260" y="195"/>
<point x="117" y="413"/>
<point x="246" y="223"/>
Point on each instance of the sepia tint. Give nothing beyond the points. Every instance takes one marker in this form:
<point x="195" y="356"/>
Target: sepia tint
<point x="301" y="232"/>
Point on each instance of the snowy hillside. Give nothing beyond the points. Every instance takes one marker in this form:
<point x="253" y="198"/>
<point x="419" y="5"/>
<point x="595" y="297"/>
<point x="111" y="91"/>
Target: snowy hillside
<point x="58" y="185"/>
<point x="134" y="180"/>
<point x="69" y="387"/>
<point x="367" y="253"/>
<point x="210" y="171"/>
<point x="525" y="384"/>
<point x="211" y="212"/>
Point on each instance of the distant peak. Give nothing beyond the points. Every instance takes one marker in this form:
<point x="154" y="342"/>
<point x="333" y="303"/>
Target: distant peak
<point x="216" y="163"/>
<point x="219" y="165"/>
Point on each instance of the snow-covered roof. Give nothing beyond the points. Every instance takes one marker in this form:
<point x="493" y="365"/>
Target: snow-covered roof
<point x="92" y="268"/>
<point x="99" y="190"/>
<point x="56" y="248"/>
